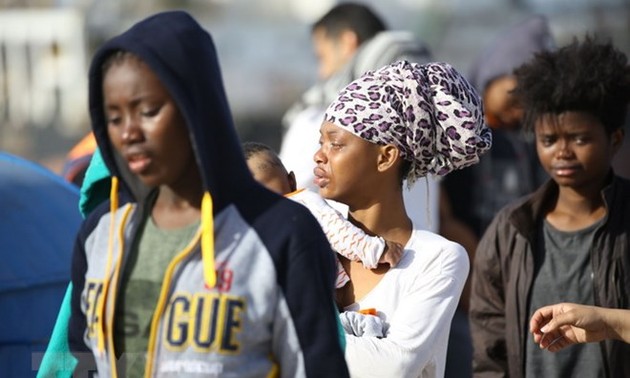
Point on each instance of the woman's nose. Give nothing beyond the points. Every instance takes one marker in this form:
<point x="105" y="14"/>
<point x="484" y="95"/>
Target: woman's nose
<point x="319" y="156"/>
<point x="564" y="150"/>
<point x="131" y="131"/>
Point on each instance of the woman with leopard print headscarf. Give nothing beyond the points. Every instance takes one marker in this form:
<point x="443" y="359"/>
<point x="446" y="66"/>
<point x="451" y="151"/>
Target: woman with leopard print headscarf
<point x="403" y="121"/>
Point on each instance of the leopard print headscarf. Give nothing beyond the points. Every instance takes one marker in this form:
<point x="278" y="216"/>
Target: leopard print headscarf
<point x="429" y="112"/>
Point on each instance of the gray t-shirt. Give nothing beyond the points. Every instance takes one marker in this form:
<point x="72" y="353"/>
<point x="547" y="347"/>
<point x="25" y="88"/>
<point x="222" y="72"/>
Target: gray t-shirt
<point x="140" y="290"/>
<point x="565" y="275"/>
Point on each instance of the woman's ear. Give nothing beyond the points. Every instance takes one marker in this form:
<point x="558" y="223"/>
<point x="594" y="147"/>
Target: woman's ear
<point x="616" y="139"/>
<point x="292" y="181"/>
<point x="388" y="157"/>
<point x="348" y="42"/>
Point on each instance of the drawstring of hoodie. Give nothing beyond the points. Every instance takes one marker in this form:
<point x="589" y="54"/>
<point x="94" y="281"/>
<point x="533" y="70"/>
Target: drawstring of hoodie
<point x="207" y="241"/>
<point x="105" y="322"/>
<point x="113" y="205"/>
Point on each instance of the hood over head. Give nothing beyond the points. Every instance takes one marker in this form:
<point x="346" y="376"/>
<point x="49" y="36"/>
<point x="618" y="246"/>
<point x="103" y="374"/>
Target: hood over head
<point x="511" y="49"/>
<point x="183" y="56"/>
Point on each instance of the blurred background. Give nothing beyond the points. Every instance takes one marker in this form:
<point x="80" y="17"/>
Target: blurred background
<point x="264" y="49"/>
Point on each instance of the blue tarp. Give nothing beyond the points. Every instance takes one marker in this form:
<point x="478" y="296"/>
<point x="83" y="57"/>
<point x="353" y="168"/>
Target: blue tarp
<point x="39" y="219"/>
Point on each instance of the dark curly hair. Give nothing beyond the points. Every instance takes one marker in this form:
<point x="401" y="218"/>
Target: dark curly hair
<point x="589" y="77"/>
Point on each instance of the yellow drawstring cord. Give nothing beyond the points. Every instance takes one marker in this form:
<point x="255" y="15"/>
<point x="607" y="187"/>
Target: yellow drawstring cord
<point x="113" y="205"/>
<point x="207" y="241"/>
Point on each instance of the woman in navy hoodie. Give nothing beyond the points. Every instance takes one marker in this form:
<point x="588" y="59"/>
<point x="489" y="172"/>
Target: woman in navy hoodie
<point x="202" y="271"/>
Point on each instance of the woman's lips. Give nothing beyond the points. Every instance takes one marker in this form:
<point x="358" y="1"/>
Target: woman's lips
<point x="138" y="163"/>
<point x="320" y="177"/>
<point x="565" y="170"/>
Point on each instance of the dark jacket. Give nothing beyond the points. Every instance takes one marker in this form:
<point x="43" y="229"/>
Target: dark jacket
<point x="273" y="298"/>
<point x="504" y="271"/>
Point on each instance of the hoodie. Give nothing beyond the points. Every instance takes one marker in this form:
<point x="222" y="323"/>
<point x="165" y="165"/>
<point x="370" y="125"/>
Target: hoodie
<point x="252" y="295"/>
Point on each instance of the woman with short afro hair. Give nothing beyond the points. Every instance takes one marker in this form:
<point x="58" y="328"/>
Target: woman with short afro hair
<point x="568" y="241"/>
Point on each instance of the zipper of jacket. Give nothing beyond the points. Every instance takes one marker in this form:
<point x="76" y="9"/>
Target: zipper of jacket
<point x="524" y="331"/>
<point x="596" y="302"/>
<point x="619" y="302"/>
<point x="161" y="304"/>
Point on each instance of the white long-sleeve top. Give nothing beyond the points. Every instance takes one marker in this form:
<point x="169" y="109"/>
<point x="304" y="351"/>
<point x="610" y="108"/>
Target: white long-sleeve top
<point x="416" y="300"/>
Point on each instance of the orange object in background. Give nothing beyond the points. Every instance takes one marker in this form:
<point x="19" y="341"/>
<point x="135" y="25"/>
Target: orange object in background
<point x="85" y="146"/>
<point x="78" y="159"/>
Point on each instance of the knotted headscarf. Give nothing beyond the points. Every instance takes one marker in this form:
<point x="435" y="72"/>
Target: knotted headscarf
<point x="429" y="112"/>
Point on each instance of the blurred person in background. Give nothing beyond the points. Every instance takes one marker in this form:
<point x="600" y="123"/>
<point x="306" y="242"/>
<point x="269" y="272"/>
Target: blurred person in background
<point x="620" y="162"/>
<point x="511" y="168"/>
<point x="470" y="197"/>
<point x="336" y="38"/>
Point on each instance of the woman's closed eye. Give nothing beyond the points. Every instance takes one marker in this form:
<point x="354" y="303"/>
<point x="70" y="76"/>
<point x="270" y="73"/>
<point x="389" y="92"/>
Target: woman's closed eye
<point x="331" y="144"/>
<point x="150" y="112"/>
<point x="581" y="139"/>
<point x="547" y="140"/>
<point x="114" y="120"/>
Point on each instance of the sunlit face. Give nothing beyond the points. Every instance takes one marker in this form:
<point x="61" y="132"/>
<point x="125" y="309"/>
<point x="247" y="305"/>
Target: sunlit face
<point x="331" y="53"/>
<point x="500" y="106"/>
<point x="271" y="176"/>
<point x="346" y="165"/>
<point x="145" y="126"/>
<point x="575" y="149"/>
